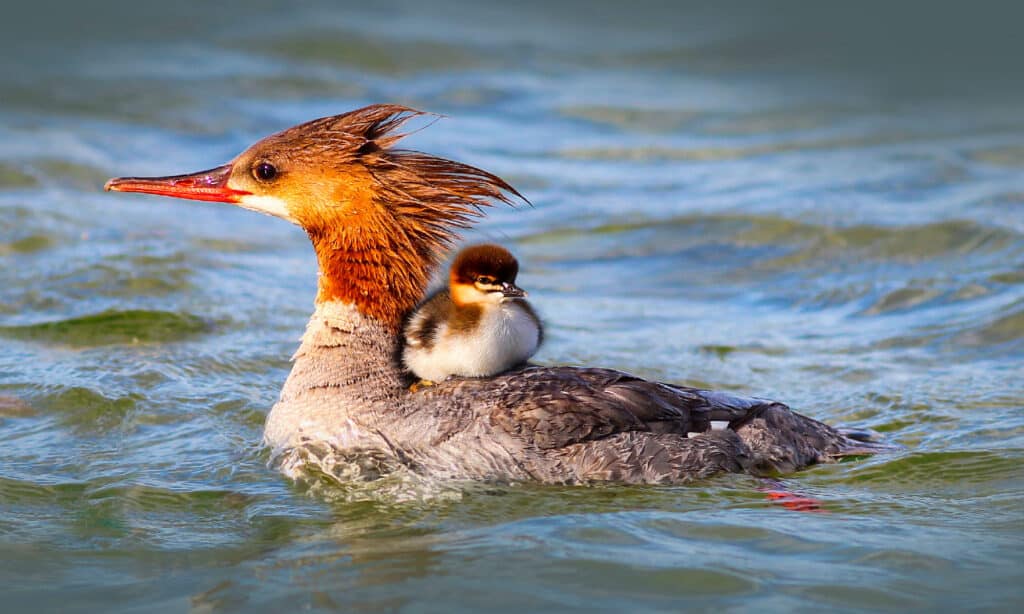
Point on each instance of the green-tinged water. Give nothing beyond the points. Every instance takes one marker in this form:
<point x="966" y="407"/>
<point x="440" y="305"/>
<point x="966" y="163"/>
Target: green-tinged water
<point x="721" y="198"/>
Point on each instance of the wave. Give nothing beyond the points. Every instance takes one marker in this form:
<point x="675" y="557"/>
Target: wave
<point x="112" y="327"/>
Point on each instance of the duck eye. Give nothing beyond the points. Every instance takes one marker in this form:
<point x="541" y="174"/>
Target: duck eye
<point x="264" y="171"/>
<point x="485" y="280"/>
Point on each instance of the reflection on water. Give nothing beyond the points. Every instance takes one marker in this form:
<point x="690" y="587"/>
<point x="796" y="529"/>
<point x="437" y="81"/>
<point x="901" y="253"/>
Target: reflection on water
<point x="820" y="205"/>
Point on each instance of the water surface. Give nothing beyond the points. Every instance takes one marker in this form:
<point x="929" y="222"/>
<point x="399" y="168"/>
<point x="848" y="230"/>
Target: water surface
<point x="741" y="200"/>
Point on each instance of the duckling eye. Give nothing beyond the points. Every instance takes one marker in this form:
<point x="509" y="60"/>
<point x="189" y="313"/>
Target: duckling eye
<point x="485" y="280"/>
<point x="264" y="171"/>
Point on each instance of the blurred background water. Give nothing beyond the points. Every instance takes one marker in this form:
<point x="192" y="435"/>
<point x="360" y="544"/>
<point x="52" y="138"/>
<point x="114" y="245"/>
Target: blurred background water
<point x="822" y="205"/>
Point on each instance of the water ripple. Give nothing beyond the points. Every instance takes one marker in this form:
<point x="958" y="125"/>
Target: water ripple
<point x="111" y="327"/>
<point x="713" y="206"/>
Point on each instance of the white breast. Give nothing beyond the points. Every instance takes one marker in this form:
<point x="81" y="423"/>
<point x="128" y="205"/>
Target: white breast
<point x="505" y="337"/>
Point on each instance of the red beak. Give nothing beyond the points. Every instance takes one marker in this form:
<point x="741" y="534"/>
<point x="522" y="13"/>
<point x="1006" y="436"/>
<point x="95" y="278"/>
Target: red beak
<point x="211" y="185"/>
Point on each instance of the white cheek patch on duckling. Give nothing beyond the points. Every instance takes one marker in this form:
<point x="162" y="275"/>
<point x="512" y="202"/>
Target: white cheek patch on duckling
<point x="270" y="205"/>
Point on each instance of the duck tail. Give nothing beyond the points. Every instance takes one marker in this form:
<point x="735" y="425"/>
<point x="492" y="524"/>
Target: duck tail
<point x="863" y="442"/>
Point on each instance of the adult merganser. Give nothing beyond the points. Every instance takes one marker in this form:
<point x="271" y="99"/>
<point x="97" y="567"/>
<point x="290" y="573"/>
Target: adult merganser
<point x="480" y="325"/>
<point x="379" y="219"/>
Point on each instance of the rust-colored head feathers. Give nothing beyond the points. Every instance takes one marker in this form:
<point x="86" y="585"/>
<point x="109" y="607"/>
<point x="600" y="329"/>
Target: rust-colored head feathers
<point x="384" y="228"/>
<point x="432" y="195"/>
<point x="380" y="218"/>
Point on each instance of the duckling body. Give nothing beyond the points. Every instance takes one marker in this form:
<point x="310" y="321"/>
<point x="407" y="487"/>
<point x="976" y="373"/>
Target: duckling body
<point x="480" y="325"/>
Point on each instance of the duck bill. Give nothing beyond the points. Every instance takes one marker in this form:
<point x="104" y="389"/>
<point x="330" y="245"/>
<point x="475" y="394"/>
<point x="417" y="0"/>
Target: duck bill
<point x="512" y="291"/>
<point x="211" y="185"/>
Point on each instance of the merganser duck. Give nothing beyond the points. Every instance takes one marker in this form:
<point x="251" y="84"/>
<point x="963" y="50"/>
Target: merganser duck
<point x="379" y="219"/>
<point x="480" y="325"/>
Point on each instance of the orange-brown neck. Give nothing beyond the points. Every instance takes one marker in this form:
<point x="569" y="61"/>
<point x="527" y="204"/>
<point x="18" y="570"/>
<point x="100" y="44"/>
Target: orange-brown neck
<point x="366" y="257"/>
<point x="373" y="267"/>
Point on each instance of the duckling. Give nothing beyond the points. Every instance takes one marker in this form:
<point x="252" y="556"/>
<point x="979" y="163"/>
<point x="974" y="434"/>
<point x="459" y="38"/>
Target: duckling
<point x="480" y="325"/>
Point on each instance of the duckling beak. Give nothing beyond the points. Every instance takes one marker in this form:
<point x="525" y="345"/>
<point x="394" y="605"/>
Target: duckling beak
<point x="510" y="290"/>
<point x="210" y="185"/>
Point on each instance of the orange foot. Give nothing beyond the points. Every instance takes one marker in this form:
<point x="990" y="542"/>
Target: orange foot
<point x="777" y="492"/>
<point x="420" y="385"/>
<point x="795" y="502"/>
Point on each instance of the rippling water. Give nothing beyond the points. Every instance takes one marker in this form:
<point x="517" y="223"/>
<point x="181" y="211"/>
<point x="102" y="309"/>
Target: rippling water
<point x="716" y="203"/>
